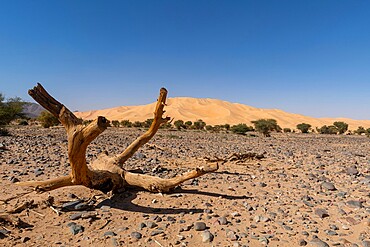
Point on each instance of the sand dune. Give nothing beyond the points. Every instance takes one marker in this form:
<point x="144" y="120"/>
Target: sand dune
<point x="213" y="112"/>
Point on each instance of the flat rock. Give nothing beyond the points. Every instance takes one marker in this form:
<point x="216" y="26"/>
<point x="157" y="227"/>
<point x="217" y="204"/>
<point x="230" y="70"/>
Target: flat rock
<point x="352" y="170"/>
<point x="200" y="226"/>
<point x="322" y="213"/>
<point x="354" y="204"/>
<point x="328" y="186"/>
<point x="136" y="235"/>
<point x="207" y="237"/>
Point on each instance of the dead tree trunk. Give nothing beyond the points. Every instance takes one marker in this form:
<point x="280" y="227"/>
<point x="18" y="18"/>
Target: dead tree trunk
<point x="106" y="173"/>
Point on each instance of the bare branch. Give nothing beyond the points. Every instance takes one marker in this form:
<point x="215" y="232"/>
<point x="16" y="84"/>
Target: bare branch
<point x="156" y="184"/>
<point x="65" y="116"/>
<point x="140" y="141"/>
<point x="48" y="185"/>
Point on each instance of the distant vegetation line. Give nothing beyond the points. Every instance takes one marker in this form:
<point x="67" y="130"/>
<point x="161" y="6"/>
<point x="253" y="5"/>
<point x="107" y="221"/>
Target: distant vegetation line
<point x="12" y="113"/>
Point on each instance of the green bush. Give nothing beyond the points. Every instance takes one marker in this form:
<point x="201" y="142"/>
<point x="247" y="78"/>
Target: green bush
<point x="11" y="109"/>
<point x="4" y="132"/>
<point x="23" y="122"/>
<point x="167" y="125"/>
<point x="287" y="130"/>
<point x="360" y="130"/>
<point x="330" y="130"/>
<point x="137" y="124"/>
<point x="126" y="123"/>
<point x="188" y="124"/>
<point x="47" y="119"/>
<point x="240" y="128"/>
<point x="179" y="124"/>
<point x="199" y="124"/>
<point x="209" y="128"/>
<point x="226" y="126"/>
<point x="265" y="126"/>
<point x="86" y="122"/>
<point x="115" y="123"/>
<point x="341" y="126"/>
<point x="148" y="122"/>
<point x="368" y="132"/>
<point x="304" y="127"/>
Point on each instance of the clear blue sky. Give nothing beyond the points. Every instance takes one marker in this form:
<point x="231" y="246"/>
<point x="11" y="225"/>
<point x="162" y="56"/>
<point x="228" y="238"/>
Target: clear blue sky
<point x="307" y="57"/>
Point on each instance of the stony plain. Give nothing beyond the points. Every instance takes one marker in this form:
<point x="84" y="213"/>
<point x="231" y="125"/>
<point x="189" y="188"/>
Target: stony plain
<point x="307" y="190"/>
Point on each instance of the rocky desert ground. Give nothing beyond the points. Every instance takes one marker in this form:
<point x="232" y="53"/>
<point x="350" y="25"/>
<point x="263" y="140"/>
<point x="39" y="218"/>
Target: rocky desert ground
<point x="299" y="190"/>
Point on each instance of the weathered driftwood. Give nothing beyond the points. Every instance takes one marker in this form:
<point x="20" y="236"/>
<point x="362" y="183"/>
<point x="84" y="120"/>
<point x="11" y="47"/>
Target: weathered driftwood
<point x="106" y="173"/>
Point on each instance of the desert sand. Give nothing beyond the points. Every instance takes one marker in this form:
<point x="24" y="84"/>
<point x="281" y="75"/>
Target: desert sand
<point x="307" y="190"/>
<point x="213" y="112"/>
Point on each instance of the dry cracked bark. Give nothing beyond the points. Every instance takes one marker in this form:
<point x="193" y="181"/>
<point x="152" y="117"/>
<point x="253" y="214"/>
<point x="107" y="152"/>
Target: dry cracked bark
<point x="106" y="173"/>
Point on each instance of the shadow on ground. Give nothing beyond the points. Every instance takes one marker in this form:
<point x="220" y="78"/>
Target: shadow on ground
<point x="124" y="202"/>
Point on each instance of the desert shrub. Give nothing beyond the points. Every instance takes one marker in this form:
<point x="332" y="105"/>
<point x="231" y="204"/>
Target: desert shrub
<point x="304" y="127"/>
<point x="209" y="128"/>
<point x="126" y="123"/>
<point x="199" y="124"/>
<point x="4" y="132"/>
<point x="330" y="130"/>
<point x="217" y="128"/>
<point x="341" y="126"/>
<point x="137" y="124"/>
<point x="226" y="126"/>
<point x="240" y="128"/>
<point x="188" y="124"/>
<point x="23" y="122"/>
<point x="86" y="122"/>
<point x="287" y="130"/>
<point x="179" y="124"/>
<point x="265" y="126"/>
<point x="367" y="132"/>
<point x="115" y="123"/>
<point x="47" y="119"/>
<point x="360" y="130"/>
<point x="147" y="123"/>
<point x="11" y="109"/>
<point x="167" y="125"/>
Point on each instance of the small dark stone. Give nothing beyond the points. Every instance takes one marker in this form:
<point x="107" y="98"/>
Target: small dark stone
<point x="331" y="232"/>
<point x="354" y="204"/>
<point x="199" y="226"/>
<point x="110" y="233"/>
<point x="318" y="242"/>
<point x="156" y="232"/>
<point x="38" y="172"/>
<point x="142" y="225"/>
<point x="262" y="184"/>
<point x="222" y="221"/>
<point x="25" y="239"/>
<point x="136" y="235"/>
<point x="232" y="235"/>
<point x="70" y="206"/>
<point x="3" y="233"/>
<point x="207" y="237"/>
<point x="151" y="224"/>
<point x="13" y="179"/>
<point x="352" y="170"/>
<point x="74" y="228"/>
<point x="302" y="242"/>
<point x="171" y="219"/>
<point x="76" y="216"/>
<point x="366" y="243"/>
<point x="328" y="186"/>
<point x="322" y="213"/>
<point x="81" y="206"/>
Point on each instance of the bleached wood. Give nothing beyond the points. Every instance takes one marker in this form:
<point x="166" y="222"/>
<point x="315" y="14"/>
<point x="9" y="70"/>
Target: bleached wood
<point x="106" y="173"/>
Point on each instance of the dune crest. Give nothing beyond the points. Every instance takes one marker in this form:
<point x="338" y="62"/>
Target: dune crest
<point x="213" y="112"/>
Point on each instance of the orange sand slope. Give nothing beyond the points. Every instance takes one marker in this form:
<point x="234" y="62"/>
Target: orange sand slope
<point x="213" y="111"/>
